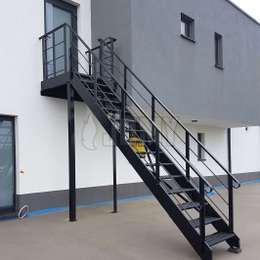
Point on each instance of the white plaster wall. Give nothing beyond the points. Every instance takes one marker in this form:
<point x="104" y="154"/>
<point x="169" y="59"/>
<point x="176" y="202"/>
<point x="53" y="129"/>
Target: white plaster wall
<point x="246" y="149"/>
<point x="41" y="121"/>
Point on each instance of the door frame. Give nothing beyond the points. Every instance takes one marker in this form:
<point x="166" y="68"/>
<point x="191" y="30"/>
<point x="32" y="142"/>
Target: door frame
<point x="12" y="209"/>
<point x="66" y="7"/>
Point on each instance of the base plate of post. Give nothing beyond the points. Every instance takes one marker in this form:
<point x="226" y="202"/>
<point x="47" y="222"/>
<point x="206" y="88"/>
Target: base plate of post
<point x="235" y="250"/>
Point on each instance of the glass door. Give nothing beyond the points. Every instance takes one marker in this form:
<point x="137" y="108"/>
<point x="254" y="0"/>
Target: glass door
<point x="57" y="13"/>
<point x="7" y="165"/>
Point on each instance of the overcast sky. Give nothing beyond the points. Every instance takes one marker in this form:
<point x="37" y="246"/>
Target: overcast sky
<point x="252" y="7"/>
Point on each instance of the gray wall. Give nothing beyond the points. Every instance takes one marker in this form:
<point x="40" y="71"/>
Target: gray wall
<point x="180" y="72"/>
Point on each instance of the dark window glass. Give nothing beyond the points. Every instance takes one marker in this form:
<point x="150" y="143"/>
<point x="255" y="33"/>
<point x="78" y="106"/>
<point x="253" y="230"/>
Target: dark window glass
<point x="219" y="50"/>
<point x="187" y="27"/>
<point x="201" y="151"/>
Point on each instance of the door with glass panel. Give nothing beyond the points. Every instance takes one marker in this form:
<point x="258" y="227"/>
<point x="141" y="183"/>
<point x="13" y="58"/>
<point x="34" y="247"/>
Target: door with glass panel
<point x="7" y="165"/>
<point x="58" y="12"/>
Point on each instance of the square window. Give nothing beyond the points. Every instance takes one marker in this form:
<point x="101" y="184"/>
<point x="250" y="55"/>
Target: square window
<point x="219" y="51"/>
<point x="187" y="27"/>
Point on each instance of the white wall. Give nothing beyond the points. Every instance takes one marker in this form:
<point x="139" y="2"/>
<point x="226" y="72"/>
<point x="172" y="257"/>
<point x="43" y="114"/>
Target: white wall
<point x="41" y="121"/>
<point x="246" y="149"/>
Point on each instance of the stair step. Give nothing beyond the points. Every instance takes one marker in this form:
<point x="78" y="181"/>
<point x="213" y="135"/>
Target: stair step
<point x="171" y="177"/>
<point x="208" y="220"/>
<point x="189" y="205"/>
<point x="88" y="81"/>
<point x="114" y="101"/>
<point x="116" y="110"/>
<point x="180" y="190"/>
<point x="161" y="164"/>
<point x="218" y="237"/>
<point x="134" y="130"/>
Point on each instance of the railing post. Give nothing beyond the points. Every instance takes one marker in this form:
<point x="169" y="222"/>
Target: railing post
<point x="123" y="106"/>
<point x="187" y="152"/>
<point x="112" y="56"/>
<point x="95" y="75"/>
<point x="89" y="63"/>
<point x="202" y="213"/>
<point x="65" y="50"/>
<point x="54" y="54"/>
<point x="44" y="58"/>
<point x="230" y="185"/>
<point x="157" y="154"/>
<point x="101" y="56"/>
<point x="153" y="115"/>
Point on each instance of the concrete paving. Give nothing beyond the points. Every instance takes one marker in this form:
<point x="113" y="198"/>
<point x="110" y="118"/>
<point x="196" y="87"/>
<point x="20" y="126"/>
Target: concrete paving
<point x="141" y="230"/>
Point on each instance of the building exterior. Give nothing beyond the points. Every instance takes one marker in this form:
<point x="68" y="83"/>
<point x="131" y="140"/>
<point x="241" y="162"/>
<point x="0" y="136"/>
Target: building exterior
<point x="179" y="69"/>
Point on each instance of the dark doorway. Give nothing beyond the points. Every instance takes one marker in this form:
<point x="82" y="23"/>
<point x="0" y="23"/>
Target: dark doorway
<point x="58" y="12"/>
<point x="7" y="165"/>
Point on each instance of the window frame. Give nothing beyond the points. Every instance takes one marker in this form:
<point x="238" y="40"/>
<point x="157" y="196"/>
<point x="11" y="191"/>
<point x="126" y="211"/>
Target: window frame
<point x="219" y="55"/>
<point x="189" y="25"/>
<point x="201" y="152"/>
<point x="73" y="9"/>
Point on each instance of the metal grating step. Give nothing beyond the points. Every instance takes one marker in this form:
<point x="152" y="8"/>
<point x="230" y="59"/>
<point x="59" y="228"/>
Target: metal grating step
<point x="135" y="131"/>
<point x="170" y="177"/>
<point x="179" y="190"/>
<point x="161" y="164"/>
<point x="189" y="205"/>
<point x="218" y="237"/>
<point x="208" y="220"/>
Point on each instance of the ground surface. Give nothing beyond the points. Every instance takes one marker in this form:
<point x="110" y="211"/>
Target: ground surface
<point x="140" y="231"/>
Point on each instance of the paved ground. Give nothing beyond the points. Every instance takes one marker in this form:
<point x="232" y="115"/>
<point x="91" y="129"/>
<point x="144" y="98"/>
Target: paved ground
<point x="140" y="231"/>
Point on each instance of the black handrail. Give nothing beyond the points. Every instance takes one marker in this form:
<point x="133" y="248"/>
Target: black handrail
<point x="172" y="115"/>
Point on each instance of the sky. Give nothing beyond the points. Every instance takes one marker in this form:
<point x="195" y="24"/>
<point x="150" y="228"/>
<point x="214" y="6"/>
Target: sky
<point x="252" y="7"/>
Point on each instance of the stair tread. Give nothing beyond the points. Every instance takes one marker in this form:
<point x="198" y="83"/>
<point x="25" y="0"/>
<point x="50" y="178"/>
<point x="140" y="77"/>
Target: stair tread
<point x="179" y="190"/>
<point x="134" y="130"/>
<point x="161" y="164"/>
<point x="218" y="237"/>
<point x="171" y="177"/>
<point x="111" y="100"/>
<point x="208" y="220"/>
<point x="189" y="205"/>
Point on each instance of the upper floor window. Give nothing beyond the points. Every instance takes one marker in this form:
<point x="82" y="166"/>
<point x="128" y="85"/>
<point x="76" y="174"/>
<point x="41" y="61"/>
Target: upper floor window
<point x="201" y="151"/>
<point x="219" y="51"/>
<point x="187" y="27"/>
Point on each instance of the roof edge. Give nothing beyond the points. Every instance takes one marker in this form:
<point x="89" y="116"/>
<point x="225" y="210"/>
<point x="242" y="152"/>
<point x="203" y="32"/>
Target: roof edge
<point x="243" y="12"/>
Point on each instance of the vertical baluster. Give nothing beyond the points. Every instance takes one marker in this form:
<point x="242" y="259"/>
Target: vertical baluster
<point x="187" y="151"/>
<point x="54" y="54"/>
<point x="89" y="63"/>
<point x="157" y="155"/>
<point x="101" y="57"/>
<point x="123" y="105"/>
<point x="202" y="212"/>
<point x="153" y="115"/>
<point x="95" y="75"/>
<point x="230" y="204"/>
<point x="230" y="184"/>
<point x="65" y="49"/>
<point x="44" y="58"/>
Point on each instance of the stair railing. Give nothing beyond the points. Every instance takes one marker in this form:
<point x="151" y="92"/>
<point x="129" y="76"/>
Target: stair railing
<point x="159" y="110"/>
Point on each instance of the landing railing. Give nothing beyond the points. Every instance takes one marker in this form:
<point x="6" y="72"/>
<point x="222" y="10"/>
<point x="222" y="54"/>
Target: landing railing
<point x="177" y="142"/>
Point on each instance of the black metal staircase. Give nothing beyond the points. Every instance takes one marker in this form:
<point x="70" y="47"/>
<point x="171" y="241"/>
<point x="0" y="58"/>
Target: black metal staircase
<point x="201" y="207"/>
